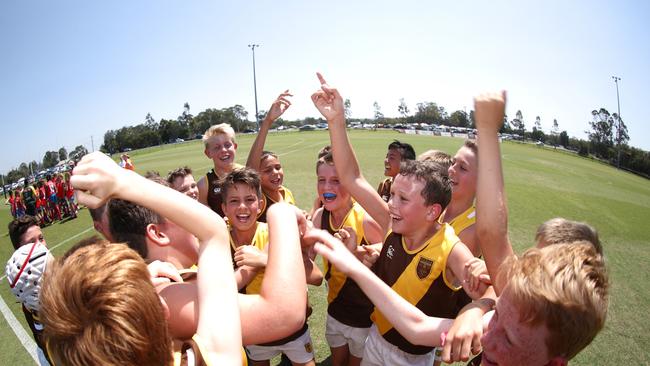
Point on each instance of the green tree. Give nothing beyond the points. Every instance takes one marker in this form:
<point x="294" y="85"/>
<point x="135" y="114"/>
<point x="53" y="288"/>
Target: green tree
<point x="518" y="124"/>
<point x="459" y="119"/>
<point x="428" y="112"/>
<point x="63" y="154"/>
<point x="538" y="133"/>
<point x="78" y="152"/>
<point x="379" y="116"/>
<point x="50" y="159"/>
<point x="403" y="109"/>
<point x="564" y="139"/>
<point x="348" y="108"/>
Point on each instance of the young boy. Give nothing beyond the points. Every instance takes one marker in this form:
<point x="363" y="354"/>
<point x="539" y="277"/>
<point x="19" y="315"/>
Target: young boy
<point x="132" y="329"/>
<point x="560" y="230"/>
<point x="396" y="154"/>
<point x="348" y="310"/>
<point x="421" y="259"/>
<point x="220" y="147"/>
<point x="274" y="313"/>
<point x="23" y="231"/>
<point x="249" y="241"/>
<point x="267" y="164"/>
<point x="555" y="310"/>
<point x="182" y="180"/>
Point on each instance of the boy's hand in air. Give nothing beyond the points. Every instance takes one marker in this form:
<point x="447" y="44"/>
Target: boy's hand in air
<point x="489" y="109"/>
<point x="97" y="178"/>
<point x="329" y="102"/>
<point x="279" y="106"/>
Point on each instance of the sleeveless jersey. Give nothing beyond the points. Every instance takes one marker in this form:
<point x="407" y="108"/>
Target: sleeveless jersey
<point x="419" y="277"/>
<point x="464" y="220"/>
<point x="384" y="188"/>
<point x="214" y="190"/>
<point x="346" y="301"/>
<point x="36" y="327"/>
<point x="268" y="201"/>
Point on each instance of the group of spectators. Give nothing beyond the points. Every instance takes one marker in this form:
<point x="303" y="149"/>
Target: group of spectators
<point x="49" y="199"/>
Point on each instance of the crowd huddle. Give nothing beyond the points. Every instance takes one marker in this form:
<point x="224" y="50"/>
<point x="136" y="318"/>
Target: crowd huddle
<point x="214" y="271"/>
<point x="49" y="199"/>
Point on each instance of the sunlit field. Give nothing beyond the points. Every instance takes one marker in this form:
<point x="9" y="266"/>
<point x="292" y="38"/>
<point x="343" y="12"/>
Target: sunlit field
<point x="541" y="183"/>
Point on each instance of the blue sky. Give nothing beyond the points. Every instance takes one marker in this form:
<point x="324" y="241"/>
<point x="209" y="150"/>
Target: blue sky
<point x="70" y="70"/>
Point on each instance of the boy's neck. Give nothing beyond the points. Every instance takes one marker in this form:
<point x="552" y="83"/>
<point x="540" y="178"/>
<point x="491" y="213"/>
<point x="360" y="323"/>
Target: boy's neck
<point x="243" y="237"/>
<point x="275" y="195"/>
<point x="418" y="238"/>
<point x="456" y="207"/>
<point x="339" y="215"/>
<point x="222" y="172"/>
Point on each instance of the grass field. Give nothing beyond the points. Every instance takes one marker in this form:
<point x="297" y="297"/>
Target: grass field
<point x="540" y="183"/>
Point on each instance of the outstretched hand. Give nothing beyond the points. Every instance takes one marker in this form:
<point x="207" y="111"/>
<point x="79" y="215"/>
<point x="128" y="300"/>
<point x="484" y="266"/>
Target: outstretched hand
<point x="279" y="106"/>
<point x="97" y="178"/>
<point x="328" y="101"/>
<point x="489" y="109"/>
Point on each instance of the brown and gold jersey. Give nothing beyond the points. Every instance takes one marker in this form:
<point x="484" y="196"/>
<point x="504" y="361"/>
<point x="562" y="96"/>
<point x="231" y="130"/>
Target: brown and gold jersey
<point x="214" y="193"/>
<point x="384" y="188"/>
<point x="260" y="241"/>
<point x="268" y="201"/>
<point x="419" y="277"/>
<point x="347" y="303"/>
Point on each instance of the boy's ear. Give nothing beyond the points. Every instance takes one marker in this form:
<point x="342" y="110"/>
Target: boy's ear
<point x="433" y="212"/>
<point x="558" y="361"/>
<point x="235" y="144"/>
<point x="156" y="235"/>
<point x="207" y="153"/>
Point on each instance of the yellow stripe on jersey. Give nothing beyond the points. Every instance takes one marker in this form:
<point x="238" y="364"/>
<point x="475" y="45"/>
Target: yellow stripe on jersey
<point x="411" y="284"/>
<point x="353" y="219"/>
<point x="464" y="220"/>
<point x="260" y="241"/>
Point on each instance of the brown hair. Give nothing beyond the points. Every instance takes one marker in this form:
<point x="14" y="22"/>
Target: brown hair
<point x="18" y="227"/>
<point x="472" y="145"/>
<point x="437" y="188"/>
<point x="325" y="157"/>
<point x="564" y="287"/>
<point x="563" y="231"/>
<point x="406" y="151"/>
<point x="99" y="307"/>
<point x="246" y="176"/>
<point x="437" y="156"/>
<point x="128" y="224"/>
<point x="181" y="172"/>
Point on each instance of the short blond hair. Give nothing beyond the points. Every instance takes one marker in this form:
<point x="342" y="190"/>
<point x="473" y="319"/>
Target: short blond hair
<point x="220" y="129"/>
<point x="562" y="231"/>
<point x="564" y="287"/>
<point x="437" y="156"/>
<point x="99" y="307"/>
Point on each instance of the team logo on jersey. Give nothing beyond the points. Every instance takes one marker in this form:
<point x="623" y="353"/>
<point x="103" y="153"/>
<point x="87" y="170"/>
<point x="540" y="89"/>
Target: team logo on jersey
<point x="216" y="190"/>
<point x="424" y="268"/>
<point x="390" y="251"/>
<point x="309" y="348"/>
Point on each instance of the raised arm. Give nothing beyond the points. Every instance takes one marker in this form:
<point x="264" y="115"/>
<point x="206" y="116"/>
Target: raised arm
<point x="491" y="206"/>
<point x="97" y="178"/>
<point x="329" y="103"/>
<point x="278" y="107"/>
<point x="279" y="309"/>
<point x="409" y="321"/>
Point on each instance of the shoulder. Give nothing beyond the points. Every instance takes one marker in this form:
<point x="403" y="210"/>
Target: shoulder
<point x="318" y="215"/>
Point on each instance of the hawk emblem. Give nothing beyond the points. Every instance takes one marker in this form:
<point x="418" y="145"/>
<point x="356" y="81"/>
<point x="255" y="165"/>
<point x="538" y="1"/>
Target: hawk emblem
<point x="423" y="268"/>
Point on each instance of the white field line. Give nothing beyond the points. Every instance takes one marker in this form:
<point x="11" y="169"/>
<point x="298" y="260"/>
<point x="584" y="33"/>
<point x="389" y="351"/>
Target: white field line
<point x="24" y="338"/>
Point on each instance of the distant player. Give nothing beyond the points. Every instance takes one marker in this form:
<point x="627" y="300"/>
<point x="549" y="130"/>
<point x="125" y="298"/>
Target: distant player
<point x="396" y="154"/>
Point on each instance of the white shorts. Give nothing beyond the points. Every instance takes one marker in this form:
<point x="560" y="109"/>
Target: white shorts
<point x="299" y="350"/>
<point x="378" y="351"/>
<point x="339" y="334"/>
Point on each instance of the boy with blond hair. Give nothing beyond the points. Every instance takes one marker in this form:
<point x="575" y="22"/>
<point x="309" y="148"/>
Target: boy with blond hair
<point x="560" y="230"/>
<point x="220" y="147"/>
<point x="421" y="259"/>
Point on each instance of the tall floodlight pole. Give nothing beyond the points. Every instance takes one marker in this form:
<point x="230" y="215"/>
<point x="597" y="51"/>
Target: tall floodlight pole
<point x="252" y="47"/>
<point x="618" y="129"/>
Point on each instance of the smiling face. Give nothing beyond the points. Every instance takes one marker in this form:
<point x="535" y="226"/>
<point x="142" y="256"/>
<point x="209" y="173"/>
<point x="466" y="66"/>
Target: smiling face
<point x="221" y="149"/>
<point x="241" y="206"/>
<point x="187" y="186"/>
<point x="406" y="206"/>
<point x="392" y="162"/>
<point x="463" y="173"/>
<point x="271" y="174"/>
<point x="330" y="191"/>
<point x="508" y="341"/>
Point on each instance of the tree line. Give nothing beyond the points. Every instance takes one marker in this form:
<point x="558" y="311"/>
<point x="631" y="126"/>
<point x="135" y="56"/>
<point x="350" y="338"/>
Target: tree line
<point x="606" y="141"/>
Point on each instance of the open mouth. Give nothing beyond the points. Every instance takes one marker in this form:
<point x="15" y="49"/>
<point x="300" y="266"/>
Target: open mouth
<point x="276" y="181"/>
<point x="243" y="218"/>
<point x="225" y="157"/>
<point x="329" y="196"/>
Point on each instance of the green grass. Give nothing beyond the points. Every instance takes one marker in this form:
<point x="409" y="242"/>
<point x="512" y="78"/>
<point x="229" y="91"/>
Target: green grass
<point x="540" y="183"/>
